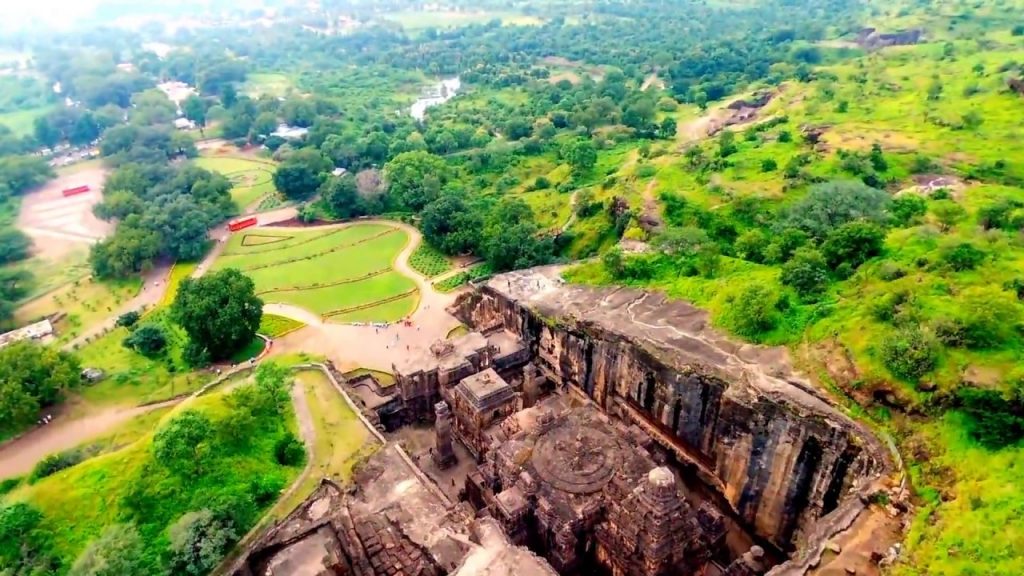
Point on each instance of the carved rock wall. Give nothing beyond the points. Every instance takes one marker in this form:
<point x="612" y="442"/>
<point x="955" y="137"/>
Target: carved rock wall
<point x="779" y="454"/>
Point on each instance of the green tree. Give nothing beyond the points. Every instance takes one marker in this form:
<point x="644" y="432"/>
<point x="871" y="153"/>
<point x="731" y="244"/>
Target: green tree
<point x="14" y="245"/>
<point x="415" y="178"/>
<point x="302" y="173"/>
<point x="195" y="110"/>
<point x="453" y="224"/>
<point x="948" y="213"/>
<point x="26" y="545"/>
<point x="198" y="542"/>
<point x="181" y="444"/>
<point x="148" y="340"/>
<point x="342" y="197"/>
<point x="751" y="245"/>
<point x="220" y="312"/>
<point x="853" y="243"/>
<point x="828" y="206"/>
<point x="963" y="256"/>
<point x="119" y="551"/>
<point x="667" y="128"/>
<point x="45" y="132"/>
<point x="32" y="377"/>
<point x="19" y="174"/>
<point x="751" y="310"/>
<point x="907" y="209"/>
<point x="806" y="272"/>
<point x="581" y="156"/>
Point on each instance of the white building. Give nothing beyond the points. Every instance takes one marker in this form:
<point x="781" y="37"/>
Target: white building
<point x="42" y="330"/>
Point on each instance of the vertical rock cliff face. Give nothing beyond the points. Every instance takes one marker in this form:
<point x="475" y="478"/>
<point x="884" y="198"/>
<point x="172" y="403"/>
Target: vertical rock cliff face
<point x="774" y="448"/>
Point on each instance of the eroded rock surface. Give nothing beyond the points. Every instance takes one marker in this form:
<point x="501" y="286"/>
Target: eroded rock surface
<point x="775" y="448"/>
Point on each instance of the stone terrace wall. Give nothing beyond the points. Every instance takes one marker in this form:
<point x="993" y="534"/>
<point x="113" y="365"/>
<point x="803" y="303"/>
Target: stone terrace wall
<point x="775" y="449"/>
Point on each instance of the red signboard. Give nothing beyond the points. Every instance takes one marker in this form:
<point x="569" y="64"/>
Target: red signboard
<point x="75" y="190"/>
<point x="244" y="223"/>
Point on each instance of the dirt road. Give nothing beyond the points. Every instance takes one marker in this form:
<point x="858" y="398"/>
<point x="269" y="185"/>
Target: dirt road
<point x="18" y="457"/>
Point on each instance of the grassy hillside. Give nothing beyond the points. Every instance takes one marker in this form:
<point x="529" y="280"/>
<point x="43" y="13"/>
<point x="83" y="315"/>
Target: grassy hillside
<point x="231" y="467"/>
<point x="934" y="311"/>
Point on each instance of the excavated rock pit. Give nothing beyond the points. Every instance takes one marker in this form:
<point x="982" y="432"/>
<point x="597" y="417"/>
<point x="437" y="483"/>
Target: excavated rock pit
<point x="791" y="466"/>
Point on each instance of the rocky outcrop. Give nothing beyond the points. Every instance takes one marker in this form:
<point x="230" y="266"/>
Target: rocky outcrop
<point x="773" y="447"/>
<point x="872" y="39"/>
<point x="1017" y="85"/>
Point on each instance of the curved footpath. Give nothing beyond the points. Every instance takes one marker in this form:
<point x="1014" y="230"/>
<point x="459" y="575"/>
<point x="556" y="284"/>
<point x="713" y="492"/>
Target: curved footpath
<point x="349" y="346"/>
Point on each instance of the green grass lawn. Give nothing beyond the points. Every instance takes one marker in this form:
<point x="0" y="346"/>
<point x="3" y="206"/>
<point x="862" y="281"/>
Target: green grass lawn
<point x="85" y="301"/>
<point x="249" y="351"/>
<point x="252" y="178"/>
<point x="131" y="377"/>
<point x="341" y="438"/>
<point x="265" y="83"/>
<point x="969" y="520"/>
<point x="429" y="261"/>
<point x="326" y="270"/>
<point x="276" y="326"/>
<point x="21" y="122"/>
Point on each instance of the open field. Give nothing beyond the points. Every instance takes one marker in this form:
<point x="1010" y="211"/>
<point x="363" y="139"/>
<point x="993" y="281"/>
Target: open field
<point x="341" y="438"/>
<point x="344" y="273"/>
<point x="252" y="178"/>
<point x="20" y="122"/>
<point x="59" y="225"/>
<point x="85" y="302"/>
<point x="414" y="20"/>
<point x="259" y="84"/>
<point x="131" y="377"/>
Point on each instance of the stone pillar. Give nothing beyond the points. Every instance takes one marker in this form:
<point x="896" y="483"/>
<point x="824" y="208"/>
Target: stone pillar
<point x="531" y="385"/>
<point x="661" y="540"/>
<point x="444" y="454"/>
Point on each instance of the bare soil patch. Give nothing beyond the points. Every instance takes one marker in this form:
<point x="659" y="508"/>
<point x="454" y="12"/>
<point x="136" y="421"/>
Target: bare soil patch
<point x="59" y="225"/>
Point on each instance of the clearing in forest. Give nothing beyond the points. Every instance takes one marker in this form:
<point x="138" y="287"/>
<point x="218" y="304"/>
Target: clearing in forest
<point x="342" y="273"/>
<point x="252" y="178"/>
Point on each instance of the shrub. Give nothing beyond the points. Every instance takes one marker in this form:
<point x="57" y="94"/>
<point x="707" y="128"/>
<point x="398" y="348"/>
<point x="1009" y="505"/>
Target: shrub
<point x="853" y="243"/>
<point x="908" y="209"/>
<point x="964" y="256"/>
<point x="890" y="271"/>
<point x="289" y="451"/>
<point x="993" y="420"/>
<point x="541" y="183"/>
<point x="198" y="542"/>
<point x="54" y="463"/>
<point x="751" y="310"/>
<point x="910" y="354"/>
<point x="806" y="273"/>
<point x="887" y="307"/>
<point x="149" y="340"/>
<point x="769" y="165"/>
<point x="128" y="319"/>
<point x="119" y="551"/>
<point x="751" y="245"/>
